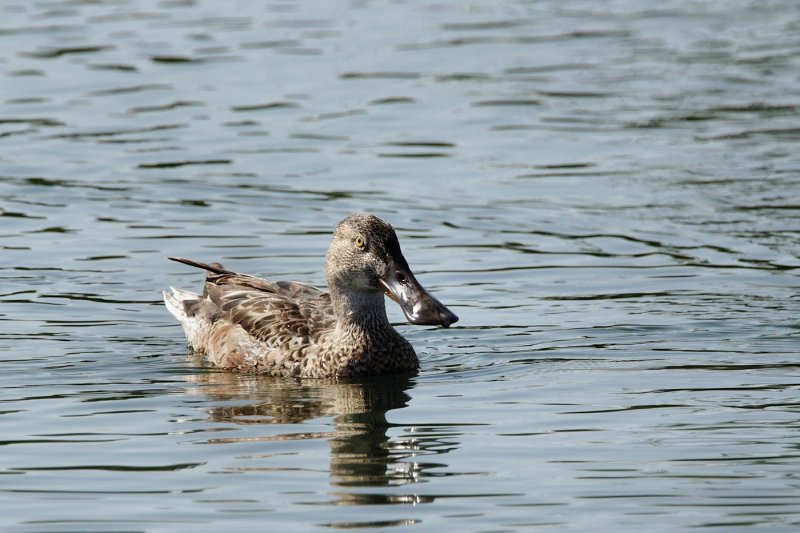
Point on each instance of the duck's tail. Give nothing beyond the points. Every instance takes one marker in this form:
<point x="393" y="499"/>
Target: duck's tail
<point x="193" y="312"/>
<point x="176" y="303"/>
<point x="196" y="312"/>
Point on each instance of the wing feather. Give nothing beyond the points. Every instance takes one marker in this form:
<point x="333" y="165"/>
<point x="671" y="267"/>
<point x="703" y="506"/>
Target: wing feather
<point x="277" y="313"/>
<point x="247" y="322"/>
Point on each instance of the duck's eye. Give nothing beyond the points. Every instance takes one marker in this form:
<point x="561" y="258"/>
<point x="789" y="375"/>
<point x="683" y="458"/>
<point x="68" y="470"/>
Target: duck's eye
<point x="360" y="242"/>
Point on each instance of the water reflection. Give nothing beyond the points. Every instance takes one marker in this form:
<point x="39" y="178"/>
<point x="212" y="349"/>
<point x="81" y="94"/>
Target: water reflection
<point x="362" y="452"/>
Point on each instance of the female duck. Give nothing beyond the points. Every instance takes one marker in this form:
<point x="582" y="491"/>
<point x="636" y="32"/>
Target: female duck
<point x="248" y="324"/>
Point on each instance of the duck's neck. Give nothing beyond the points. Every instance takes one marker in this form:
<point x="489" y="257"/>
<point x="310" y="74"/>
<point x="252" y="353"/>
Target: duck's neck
<point x="364" y="342"/>
<point x="359" y="311"/>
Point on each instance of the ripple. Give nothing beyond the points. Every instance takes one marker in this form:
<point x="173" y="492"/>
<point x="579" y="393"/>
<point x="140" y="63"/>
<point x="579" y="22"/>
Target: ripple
<point x="508" y="102"/>
<point x="165" y="107"/>
<point x="264" y="107"/>
<point x="374" y="523"/>
<point x="380" y="75"/>
<point x="115" y="468"/>
<point x="176" y="164"/>
<point x="127" y="89"/>
<point x="69" y="50"/>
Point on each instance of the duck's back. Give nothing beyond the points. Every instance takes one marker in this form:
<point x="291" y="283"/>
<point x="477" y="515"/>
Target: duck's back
<point x="245" y="323"/>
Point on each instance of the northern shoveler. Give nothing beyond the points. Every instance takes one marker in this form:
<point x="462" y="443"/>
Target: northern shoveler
<point x="285" y="328"/>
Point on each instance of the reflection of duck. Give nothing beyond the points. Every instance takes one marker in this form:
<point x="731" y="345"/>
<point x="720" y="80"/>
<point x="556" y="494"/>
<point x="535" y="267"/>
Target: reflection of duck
<point x="245" y="323"/>
<point x="361" y="452"/>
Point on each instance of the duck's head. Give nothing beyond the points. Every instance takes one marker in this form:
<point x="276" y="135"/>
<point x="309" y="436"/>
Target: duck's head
<point x="365" y="257"/>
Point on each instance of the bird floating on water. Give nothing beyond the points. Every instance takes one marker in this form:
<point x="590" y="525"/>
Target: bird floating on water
<point x="285" y="328"/>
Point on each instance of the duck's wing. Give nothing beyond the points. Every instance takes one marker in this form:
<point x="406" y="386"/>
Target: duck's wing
<point x="275" y="312"/>
<point x="285" y="315"/>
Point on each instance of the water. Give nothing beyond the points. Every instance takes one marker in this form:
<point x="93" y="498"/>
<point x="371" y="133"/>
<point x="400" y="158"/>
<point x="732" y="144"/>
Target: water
<point x="605" y="192"/>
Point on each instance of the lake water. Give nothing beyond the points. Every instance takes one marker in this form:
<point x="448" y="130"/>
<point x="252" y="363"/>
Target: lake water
<point x="606" y="192"/>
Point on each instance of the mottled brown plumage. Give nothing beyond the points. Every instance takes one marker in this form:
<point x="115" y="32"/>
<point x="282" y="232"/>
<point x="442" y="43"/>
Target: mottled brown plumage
<point x="248" y="324"/>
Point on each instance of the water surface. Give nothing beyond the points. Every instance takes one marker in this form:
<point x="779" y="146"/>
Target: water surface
<point x="606" y="193"/>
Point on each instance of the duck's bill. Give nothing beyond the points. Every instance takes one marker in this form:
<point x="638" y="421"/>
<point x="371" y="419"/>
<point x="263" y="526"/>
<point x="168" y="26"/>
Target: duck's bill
<point x="419" y="306"/>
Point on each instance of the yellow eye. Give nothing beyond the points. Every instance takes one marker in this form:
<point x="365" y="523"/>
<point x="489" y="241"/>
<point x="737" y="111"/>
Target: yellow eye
<point x="360" y="242"/>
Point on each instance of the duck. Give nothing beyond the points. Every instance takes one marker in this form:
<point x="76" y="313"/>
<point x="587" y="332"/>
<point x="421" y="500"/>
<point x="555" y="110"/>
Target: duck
<point x="244" y="323"/>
